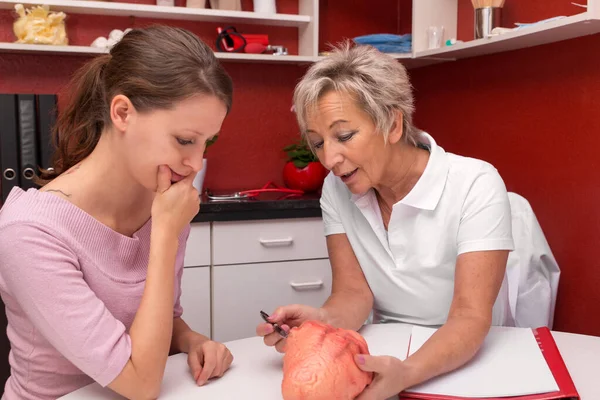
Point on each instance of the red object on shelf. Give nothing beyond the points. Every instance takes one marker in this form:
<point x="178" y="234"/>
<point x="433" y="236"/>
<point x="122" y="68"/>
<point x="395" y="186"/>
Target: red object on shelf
<point x="230" y="40"/>
<point x="308" y="179"/>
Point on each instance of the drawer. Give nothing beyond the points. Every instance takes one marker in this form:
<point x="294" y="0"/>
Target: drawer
<point x="241" y="291"/>
<point x="244" y="242"/>
<point x="195" y="299"/>
<point x="197" y="251"/>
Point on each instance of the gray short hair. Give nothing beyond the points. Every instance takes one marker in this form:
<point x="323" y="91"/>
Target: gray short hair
<point x="377" y="82"/>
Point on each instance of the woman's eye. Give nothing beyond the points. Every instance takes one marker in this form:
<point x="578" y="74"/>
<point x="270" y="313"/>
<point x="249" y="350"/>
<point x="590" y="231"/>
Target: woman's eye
<point x="317" y="145"/>
<point x="184" y="142"/>
<point x="346" y="137"/>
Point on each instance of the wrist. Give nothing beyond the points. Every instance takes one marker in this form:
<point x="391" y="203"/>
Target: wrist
<point x="192" y="339"/>
<point x="324" y="316"/>
<point x="163" y="230"/>
<point x="163" y="235"/>
<point x="411" y="373"/>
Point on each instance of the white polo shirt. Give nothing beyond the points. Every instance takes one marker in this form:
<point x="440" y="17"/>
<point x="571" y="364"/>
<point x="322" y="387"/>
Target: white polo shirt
<point x="459" y="205"/>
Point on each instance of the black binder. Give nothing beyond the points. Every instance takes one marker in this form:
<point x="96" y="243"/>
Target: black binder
<point x="46" y="107"/>
<point x="9" y="144"/>
<point x="28" y="139"/>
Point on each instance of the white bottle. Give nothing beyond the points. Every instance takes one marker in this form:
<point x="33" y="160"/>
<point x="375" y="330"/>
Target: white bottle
<point x="166" y="3"/>
<point x="196" y="3"/>
<point x="265" y="6"/>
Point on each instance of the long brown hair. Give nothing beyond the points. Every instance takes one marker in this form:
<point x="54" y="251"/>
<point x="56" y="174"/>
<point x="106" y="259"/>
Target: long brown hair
<point x="154" y="67"/>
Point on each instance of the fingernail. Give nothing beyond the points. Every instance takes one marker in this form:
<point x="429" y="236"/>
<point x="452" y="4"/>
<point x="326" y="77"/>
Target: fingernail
<point x="270" y="329"/>
<point x="201" y="382"/>
<point x="360" y="360"/>
<point x="274" y="316"/>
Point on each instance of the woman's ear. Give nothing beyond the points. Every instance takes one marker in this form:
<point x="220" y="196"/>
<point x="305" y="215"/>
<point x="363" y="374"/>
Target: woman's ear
<point x="397" y="130"/>
<point x="121" y="112"/>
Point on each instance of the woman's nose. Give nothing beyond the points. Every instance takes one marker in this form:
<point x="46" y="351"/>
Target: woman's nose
<point x="196" y="162"/>
<point x="330" y="157"/>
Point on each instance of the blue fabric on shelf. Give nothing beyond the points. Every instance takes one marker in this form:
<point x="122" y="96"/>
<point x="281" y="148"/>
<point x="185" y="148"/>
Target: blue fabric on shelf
<point x="387" y="42"/>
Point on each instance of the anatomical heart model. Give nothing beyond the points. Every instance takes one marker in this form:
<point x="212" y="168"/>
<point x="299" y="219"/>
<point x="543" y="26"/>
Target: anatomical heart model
<point x="319" y="363"/>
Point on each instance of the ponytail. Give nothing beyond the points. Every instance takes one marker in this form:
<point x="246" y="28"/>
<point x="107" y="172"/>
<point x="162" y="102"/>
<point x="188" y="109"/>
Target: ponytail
<point x="153" y="67"/>
<point x="80" y="124"/>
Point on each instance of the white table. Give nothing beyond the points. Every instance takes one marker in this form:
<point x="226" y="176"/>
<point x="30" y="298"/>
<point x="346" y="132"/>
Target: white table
<point x="256" y="371"/>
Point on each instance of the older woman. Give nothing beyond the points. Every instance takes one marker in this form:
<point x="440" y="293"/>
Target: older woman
<point x="414" y="234"/>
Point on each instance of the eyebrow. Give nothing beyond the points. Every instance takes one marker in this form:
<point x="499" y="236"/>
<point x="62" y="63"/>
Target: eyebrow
<point x="202" y="134"/>
<point x="339" y="121"/>
<point x="192" y="131"/>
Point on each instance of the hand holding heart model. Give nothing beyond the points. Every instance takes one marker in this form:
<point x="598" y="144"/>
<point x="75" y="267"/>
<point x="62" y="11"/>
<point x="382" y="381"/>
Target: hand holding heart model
<point x="319" y="363"/>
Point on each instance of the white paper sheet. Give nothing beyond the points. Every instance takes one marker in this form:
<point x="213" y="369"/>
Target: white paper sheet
<point x="509" y="363"/>
<point x="387" y="339"/>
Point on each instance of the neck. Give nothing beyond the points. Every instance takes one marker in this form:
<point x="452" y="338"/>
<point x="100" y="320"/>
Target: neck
<point x="404" y="166"/>
<point x="108" y="192"/>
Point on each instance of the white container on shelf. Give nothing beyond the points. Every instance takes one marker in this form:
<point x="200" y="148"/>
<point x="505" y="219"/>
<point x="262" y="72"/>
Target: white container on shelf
<point x="196" y="3"/>
<point x="265" y="6"/>
<point x="232" y="5"/>
<point x="165" y="3"/>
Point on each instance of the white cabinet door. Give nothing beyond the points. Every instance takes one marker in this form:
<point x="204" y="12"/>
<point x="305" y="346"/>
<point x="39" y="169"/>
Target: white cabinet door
<point x="243" y="242"/>
<point x="197" y="249"/>
<point x="195" y="299"/>
<point x="241" y="291"/>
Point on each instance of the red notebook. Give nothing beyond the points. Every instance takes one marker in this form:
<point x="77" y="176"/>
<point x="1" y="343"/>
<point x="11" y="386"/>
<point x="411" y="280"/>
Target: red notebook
<point x="557" y="366"/>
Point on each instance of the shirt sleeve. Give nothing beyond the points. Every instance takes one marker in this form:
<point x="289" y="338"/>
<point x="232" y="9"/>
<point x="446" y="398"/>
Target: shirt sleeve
<point x="43" y="276"/>
<point x="331" y="217"/>
<point x="183" y="238"/>
<point x="486" y="216"/>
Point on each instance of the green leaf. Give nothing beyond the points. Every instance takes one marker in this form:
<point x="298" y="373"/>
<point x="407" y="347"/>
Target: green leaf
<point x="300" y="153"/>
<point x="300" y="164"/>
<point x="210" y="142"/>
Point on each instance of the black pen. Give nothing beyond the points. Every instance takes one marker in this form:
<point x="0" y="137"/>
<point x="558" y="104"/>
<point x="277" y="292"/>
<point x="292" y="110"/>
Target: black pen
<point x="277" y="328"/>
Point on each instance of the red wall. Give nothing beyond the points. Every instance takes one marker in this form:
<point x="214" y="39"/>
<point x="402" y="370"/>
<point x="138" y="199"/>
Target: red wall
<point x="533" y="114"/>
<point x="248" y="153"/>
<point x="530" y="112"/>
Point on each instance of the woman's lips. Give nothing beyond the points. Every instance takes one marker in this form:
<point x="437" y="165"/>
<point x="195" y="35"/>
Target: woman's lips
<point x="348" y="177"/>
<point x="175" y="177"/>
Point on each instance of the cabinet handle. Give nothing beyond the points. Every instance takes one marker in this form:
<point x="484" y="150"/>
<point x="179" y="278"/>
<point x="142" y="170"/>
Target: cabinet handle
<point x="307" y="285"/>
<point x="276" y="242"/>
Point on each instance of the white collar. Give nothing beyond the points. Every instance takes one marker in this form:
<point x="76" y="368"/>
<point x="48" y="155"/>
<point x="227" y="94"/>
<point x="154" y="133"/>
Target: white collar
<point x="428" y="190"/>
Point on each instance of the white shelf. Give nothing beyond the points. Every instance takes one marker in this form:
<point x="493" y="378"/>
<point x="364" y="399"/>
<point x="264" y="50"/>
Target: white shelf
<point x="583" y="24"/>
<point x="43" y="48"/>
<point x="265" y="58"/>
<point x="401" y="56"/>
<point x="162" y="12"/>
<point x="555" y="31"/>
<point x="87" y="51"/>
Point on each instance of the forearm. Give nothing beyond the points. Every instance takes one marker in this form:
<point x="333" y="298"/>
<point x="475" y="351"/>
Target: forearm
<point x="151" y="330"/>
<point x="183" y="336"/>
<point x="453" y="345"/>
<point x="348" y="309"/>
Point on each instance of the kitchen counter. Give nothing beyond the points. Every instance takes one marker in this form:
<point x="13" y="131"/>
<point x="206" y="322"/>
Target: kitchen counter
<point x="267" y="206"/>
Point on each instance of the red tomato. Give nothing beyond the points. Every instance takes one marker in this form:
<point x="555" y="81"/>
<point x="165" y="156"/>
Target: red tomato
<point x="309" y="178"/>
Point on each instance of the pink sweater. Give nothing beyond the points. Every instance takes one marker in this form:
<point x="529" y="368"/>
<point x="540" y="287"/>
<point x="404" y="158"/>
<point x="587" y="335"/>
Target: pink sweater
<point x="71" y="287"/>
